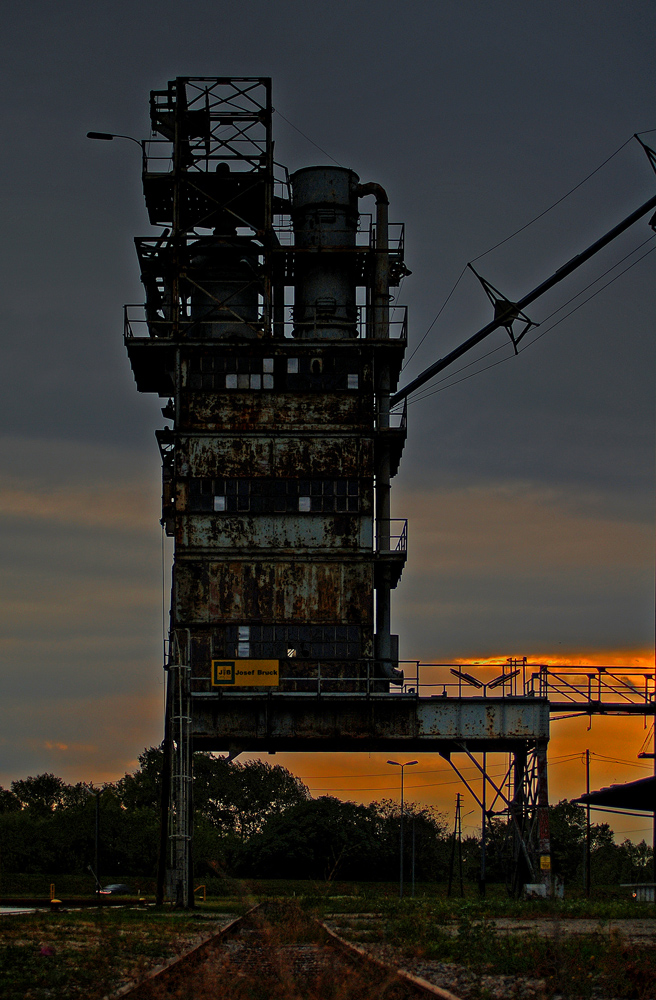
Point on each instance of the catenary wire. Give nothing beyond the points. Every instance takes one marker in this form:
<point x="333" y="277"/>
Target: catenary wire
<point x="547" y="210"/>
<point x="535" y="339"/>
<point x="501" y="347"/>
<point x="440" y="311"/>
<point x="516" y="233"/>
<point x="300" y="132"/>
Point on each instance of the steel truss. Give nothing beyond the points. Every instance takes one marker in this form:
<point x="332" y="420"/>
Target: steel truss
<point x="522" y="798"/>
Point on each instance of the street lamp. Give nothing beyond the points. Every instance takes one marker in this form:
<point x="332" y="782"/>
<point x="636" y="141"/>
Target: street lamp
<point x="407" y="763"/>
<point x="108" y="136"/>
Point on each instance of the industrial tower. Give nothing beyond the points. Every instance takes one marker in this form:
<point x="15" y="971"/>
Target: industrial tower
<point x="267" y="329"/>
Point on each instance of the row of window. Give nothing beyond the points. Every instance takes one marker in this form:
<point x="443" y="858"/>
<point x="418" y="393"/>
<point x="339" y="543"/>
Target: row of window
<point x="274" y="496"/>
<point x="217" y="383"/>
<point x="214" y="373"/>
<point x="248" y="364"/>
<point x="330" y="642"/>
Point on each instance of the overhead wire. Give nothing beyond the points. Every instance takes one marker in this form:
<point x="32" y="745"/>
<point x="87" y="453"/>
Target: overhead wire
<point x="531" y="343"/>
<point x="501" y="347"/>
<point x="556" y="203"/>
<point x="311" y="141"/>
<point x="520" y="230"/>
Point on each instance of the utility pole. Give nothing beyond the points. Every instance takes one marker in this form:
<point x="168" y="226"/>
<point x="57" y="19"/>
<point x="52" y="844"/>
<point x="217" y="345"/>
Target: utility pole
<point x="407" y="763"/>
<point x="457" y="836"/>
<point x="97" y="845"/>
<point x="587" y="825"/>
<point x="481" y="884"/>
<point x="413" y="855"/>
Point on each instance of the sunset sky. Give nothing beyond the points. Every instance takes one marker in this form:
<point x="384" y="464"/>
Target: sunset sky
<point x="528" y="486"/>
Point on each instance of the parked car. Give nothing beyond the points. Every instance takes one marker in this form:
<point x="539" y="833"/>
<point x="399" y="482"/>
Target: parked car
<point x="119" y="889"/>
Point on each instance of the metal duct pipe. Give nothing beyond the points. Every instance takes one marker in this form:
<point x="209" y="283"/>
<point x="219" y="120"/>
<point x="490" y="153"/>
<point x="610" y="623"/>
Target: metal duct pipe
<point x="384" y="653"/>
<point x="381" y="267"/>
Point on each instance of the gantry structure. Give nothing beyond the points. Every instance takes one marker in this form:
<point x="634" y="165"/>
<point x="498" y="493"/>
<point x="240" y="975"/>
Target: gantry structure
<point x="269" y="332"/>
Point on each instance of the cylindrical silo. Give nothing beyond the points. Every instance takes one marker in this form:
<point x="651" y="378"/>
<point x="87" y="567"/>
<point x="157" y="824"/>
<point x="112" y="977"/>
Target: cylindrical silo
<point x="325" y="219"/>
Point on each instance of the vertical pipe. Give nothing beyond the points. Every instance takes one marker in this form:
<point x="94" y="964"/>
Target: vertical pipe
<point x="483" y="830"/>
<point x="97" y="847"/>
<point x="587" y="826"/>
<point x="453" y="846"/>
<point x="383" y="389"/>
<point x="413" y="855"/>
<point x="165" y="797"/>
<point x="544" y="840"/>
<point x="654" y="826"/>
<point x="462" y="884"/>
<point x="401" y="850"/>
<point x="518" y="806"/>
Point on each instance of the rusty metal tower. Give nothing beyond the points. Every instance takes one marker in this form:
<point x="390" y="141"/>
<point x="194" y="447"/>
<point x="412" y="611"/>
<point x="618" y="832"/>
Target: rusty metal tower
<point x="267" y="329"/>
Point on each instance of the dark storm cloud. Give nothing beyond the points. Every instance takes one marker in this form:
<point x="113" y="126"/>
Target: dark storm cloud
<point x="476" y="117"/>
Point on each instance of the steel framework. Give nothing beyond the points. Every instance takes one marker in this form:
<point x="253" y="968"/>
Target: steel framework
<point x="267" y="328"/>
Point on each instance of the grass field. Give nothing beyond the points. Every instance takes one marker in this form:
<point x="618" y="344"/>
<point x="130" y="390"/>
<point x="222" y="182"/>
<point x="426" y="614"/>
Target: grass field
<point x="92" y="952"/>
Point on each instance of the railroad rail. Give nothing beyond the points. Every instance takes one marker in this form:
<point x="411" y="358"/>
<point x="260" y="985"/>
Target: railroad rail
<point x="278" y="944"/>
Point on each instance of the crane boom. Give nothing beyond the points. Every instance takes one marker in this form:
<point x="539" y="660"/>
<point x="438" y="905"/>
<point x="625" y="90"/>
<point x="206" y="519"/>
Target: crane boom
<point x="502" y="320"/>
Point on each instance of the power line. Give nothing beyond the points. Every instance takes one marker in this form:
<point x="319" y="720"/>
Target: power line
<point x="300" y="132"/>
<point x="516" y="233"/>
<point x="571" y="191"/>
<point x="426" y="395"/>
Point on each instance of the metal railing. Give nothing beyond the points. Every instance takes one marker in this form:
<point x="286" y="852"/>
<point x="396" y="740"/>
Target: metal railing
<point x="392" y="536"/>
<point x="572" y="686"/>
<point x="575" y="689"/>
<point x="137" y="323"/>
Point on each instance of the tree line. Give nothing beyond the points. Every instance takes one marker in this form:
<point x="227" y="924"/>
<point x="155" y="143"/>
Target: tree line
<point x="257" y="820"/>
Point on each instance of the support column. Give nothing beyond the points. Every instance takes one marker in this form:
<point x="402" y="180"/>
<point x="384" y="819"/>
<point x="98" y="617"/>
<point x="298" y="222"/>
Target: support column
<point x="179" y="672"/>
<point x="544" y="841"/>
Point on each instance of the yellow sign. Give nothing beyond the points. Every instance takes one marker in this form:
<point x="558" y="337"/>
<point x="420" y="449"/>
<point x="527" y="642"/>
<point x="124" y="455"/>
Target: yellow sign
<point x="545" y="862"/>
<point x="245" y="673"/>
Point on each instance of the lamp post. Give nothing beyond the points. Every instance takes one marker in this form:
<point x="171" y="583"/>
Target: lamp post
<point x="108" y="136"/>
<point x="407" y="763"/>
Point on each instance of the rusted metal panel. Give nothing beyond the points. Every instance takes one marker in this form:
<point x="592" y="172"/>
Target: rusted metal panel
<point x="367" y="722"/>
<point x="275" y="532"/>
<point x="303" y="590"/>
<point x="247" y="411"/>
<point x="233" y="455"/>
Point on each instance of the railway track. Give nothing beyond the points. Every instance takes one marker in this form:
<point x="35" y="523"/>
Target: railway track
<point x="276" y="952"/>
